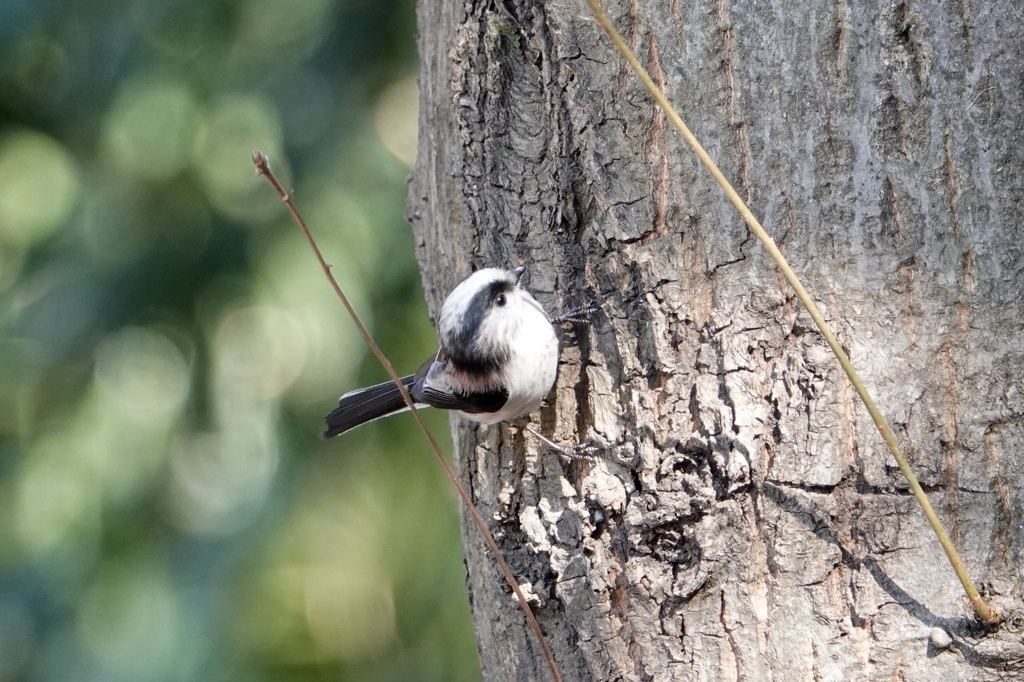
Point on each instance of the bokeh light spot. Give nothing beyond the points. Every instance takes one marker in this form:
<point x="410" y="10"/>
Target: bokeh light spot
<point x="259" y="351"/>
<point x="220" y="480"/>
<point x="150" y="128"/>
<point x="290" y="277"/>
<point x="235" y="126"/>
<point x="38" y="186"/>
<point x="396" y="118"/>
<point x="351" y="613"/>
<point x="129" y="621"/>
<point x="55" y="501"/>
<point x="271" y="29"/>
<point x="143" y="375"/>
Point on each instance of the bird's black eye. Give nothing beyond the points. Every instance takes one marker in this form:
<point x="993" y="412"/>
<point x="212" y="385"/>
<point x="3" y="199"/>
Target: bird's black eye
<point x="500" y="300"/>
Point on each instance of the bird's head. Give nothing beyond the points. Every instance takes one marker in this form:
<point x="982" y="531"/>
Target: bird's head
<point x="485" y="316"/>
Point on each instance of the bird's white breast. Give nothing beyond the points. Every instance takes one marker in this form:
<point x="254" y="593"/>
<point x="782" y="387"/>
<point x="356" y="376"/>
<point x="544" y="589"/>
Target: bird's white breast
<point x="533" y="364"/>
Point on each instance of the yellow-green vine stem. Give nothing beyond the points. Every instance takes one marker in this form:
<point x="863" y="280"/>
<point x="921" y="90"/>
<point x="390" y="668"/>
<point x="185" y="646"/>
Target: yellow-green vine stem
<point x="985" y="612"/>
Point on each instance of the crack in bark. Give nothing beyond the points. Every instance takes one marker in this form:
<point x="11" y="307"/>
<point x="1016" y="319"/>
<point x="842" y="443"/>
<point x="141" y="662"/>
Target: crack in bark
<point x="734" y="650"/>
<point x="731" y="95"/>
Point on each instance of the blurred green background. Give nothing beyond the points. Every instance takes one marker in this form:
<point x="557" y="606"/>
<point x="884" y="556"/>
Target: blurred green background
<point x="169" y="346"/>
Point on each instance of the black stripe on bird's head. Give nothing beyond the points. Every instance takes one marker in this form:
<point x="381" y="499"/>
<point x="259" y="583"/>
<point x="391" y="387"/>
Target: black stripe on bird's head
<point x="464" y="337"/>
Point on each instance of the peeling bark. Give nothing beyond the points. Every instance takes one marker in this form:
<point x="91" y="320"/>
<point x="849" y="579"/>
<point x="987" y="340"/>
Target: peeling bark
<point x="745" y="520"/>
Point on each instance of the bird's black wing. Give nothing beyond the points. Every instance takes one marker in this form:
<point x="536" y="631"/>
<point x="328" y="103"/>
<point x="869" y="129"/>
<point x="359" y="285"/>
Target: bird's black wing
<point x="471" y="403"/>
<point x="434" y="385"/>
<point x="365" y="405"/>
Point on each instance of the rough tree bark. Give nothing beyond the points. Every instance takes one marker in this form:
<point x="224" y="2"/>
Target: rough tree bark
<point x="745" y="520"/>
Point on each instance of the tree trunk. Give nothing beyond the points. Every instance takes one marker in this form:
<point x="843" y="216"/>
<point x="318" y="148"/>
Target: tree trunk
<point x="744" y="520"/>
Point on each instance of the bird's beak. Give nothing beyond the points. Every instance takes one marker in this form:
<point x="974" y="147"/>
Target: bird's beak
<point x="517" y="274"/>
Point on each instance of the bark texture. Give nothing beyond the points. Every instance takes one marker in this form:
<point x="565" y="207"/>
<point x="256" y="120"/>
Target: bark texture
<point x="745" y="520"/>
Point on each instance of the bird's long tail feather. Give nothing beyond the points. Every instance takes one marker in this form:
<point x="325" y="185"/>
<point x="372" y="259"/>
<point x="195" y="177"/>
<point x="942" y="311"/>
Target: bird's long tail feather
<point x="362" y="406"/>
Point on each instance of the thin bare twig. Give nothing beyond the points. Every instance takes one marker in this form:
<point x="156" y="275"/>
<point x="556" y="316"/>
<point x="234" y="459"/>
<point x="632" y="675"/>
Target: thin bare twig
<point x="259" y="159"/>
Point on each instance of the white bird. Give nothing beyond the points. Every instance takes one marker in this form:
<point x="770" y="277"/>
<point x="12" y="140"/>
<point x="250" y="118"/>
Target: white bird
<point x="497" y="362"/>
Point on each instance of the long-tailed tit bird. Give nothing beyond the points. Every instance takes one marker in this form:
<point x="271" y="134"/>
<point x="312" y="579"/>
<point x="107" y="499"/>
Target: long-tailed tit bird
<point x="498" y="359"/>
